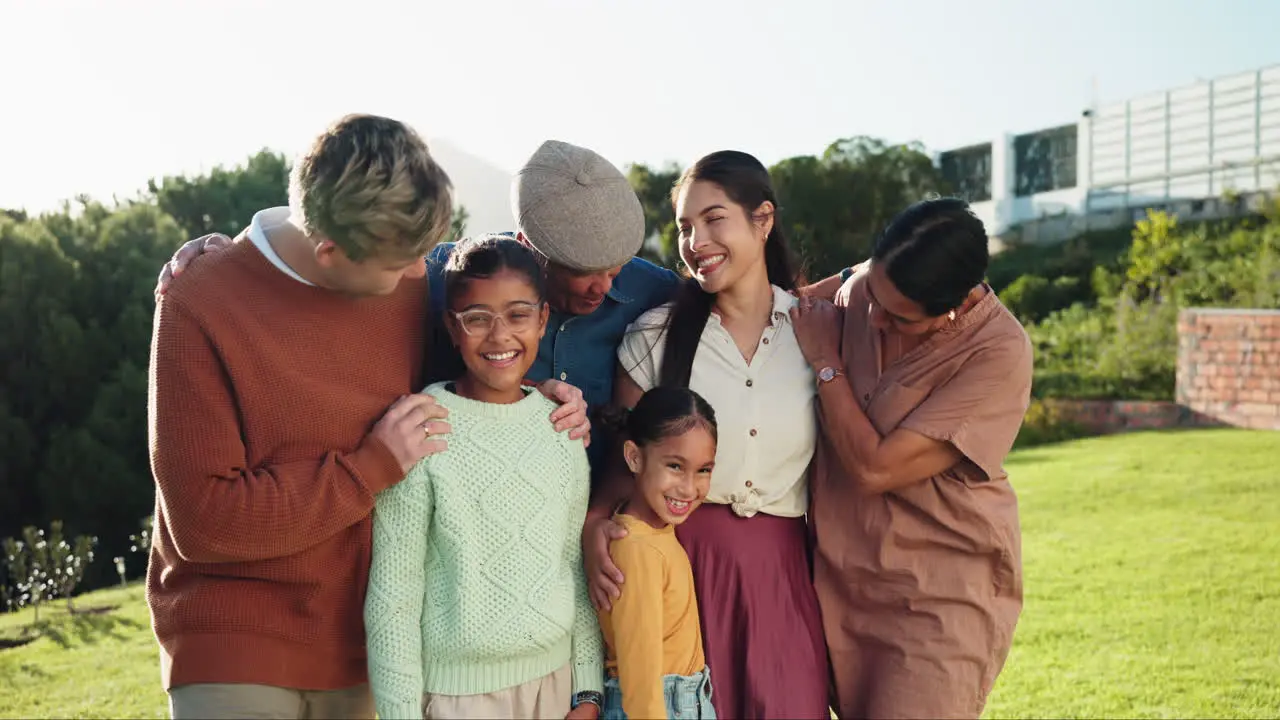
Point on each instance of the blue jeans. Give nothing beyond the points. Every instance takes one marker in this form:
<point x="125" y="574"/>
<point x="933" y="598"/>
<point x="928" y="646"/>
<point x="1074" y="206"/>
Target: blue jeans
<point x="688" y="697"/>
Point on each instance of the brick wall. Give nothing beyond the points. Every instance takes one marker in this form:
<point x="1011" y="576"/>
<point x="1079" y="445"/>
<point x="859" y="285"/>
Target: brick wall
<point x="1229" y="366"/>
<point x="1103" y="417"/>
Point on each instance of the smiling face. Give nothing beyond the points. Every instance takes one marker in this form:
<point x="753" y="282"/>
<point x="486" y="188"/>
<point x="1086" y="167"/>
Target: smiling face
<point x="720" y="241"/>
<point x="892" y="311"/>
<point x="672" y="475"/>
<point x="496" y="324"/>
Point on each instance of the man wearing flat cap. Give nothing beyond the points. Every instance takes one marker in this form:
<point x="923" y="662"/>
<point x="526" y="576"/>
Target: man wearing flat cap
<point x="579" y="212"/>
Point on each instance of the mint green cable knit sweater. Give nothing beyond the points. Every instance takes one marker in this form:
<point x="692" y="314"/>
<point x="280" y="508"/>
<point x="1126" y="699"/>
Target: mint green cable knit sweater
<point x="477" y="582"/>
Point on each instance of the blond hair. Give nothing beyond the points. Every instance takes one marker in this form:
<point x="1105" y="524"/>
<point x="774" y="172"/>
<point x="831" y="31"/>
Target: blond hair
<point x="370" y="185"/>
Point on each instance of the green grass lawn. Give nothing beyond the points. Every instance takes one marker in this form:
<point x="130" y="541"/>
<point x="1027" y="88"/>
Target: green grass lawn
<point x="1152" y="566"/>
<point x="1152" y="578"/>
<point x="84" y="665"/>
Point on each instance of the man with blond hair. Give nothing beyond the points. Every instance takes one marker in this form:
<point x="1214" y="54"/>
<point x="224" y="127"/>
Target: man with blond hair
<point x="274" y="420"/>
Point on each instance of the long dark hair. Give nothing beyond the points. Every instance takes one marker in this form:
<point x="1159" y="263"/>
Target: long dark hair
<point x="661" y="413"/>
<point x="935" y="252"/>
<point x="746" y="181"/>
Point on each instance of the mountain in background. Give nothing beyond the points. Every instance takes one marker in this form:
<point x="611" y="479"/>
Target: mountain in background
<point x="480" y="186"/>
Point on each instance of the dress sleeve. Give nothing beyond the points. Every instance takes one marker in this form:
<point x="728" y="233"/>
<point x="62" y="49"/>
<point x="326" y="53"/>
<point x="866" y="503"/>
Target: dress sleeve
<point x="640" y="351"/>
<point x="980" y="409"/>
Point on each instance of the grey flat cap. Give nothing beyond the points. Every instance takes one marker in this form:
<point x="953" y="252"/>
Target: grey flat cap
<point x="576" y="208"/>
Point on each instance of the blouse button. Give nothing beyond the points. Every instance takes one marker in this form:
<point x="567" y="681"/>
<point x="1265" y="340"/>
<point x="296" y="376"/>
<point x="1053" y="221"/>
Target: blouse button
<point x="766" y="341"/>
<point x="748" y="483"/>
<point x="750" y="383"/>
<point x="753" y="432"/>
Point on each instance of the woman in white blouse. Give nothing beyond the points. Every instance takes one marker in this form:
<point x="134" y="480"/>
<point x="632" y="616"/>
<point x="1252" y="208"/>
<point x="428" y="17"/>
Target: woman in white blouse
<point x="728" y="336"/>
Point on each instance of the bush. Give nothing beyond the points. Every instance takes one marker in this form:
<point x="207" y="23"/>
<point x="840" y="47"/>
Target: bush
<point x="1074" y="258"/>
<point x="1125" y="347"/>
<point x="39" y="568"/>
<point x="1032" y="298"/>
<point x="1119" y="350"/>
<point x="1045" y="423"/>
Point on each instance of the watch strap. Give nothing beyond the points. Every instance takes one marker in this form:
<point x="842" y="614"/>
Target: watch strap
<point x="589" y="696"/>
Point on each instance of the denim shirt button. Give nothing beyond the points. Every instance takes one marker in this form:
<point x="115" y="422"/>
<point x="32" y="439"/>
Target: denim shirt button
<point x="564" y="376"/>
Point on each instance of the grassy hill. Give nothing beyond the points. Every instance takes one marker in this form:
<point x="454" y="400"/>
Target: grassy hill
<point x="1152" y="590"/>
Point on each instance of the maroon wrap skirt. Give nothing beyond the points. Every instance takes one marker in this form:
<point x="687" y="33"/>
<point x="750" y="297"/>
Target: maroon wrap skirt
<point x="761" y="625"/>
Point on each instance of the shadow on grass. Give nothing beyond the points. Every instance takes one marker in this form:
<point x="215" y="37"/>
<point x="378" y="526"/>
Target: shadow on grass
<point x="7" y="643"/>
<point x="88" y="626"/>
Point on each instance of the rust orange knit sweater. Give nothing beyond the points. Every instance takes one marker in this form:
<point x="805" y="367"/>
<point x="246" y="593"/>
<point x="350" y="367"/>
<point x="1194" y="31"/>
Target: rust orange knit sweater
<point x="262" y="393"/>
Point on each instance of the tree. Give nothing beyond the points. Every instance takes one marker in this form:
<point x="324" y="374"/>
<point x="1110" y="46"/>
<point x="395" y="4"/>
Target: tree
<point x="833" y="207"/>
<point x="458" y="225"/>
<point x="224" y="200"/>
<point x="653" y="187"/>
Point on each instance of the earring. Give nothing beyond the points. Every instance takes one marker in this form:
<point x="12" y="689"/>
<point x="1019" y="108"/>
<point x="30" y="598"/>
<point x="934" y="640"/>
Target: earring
<point x="951" y="316"/>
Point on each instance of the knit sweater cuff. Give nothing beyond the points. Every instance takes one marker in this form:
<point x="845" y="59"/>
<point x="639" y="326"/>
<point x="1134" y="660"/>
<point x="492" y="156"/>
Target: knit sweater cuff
<point x="378" y="468"/>
<point x="588" y="677"/>
<point x="399" y="711"/>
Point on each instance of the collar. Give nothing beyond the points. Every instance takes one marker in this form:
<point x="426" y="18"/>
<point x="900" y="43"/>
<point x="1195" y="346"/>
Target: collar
<point x="977" y="313"/>
<point x="616" y="293"/>
<point x="257" y="233"/>
<point x="783" y="301"/>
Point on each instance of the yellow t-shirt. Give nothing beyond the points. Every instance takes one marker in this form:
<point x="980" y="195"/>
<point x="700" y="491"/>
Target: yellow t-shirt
<point x="653" y="628"/>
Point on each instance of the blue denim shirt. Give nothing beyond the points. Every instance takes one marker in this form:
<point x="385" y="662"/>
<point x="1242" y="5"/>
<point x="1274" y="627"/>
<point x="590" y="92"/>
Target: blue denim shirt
<point x="578" y="349"/>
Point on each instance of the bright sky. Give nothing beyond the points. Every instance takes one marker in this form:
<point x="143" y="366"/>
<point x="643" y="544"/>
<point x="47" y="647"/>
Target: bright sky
<point x="100" y="95"/>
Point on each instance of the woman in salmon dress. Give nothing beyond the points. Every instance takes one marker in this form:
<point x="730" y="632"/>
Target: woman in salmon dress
<point x="924" y="378"/>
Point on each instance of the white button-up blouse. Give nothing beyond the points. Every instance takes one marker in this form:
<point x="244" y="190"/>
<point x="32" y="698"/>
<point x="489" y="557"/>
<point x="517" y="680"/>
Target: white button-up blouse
<point x="765" y="410"/>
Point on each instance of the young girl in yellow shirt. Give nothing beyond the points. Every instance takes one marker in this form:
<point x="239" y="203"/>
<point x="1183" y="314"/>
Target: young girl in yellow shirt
<point x="655" y="663"/>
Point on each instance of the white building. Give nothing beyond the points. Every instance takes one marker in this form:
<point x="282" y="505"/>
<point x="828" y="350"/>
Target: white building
<point x="1185" y="148"/>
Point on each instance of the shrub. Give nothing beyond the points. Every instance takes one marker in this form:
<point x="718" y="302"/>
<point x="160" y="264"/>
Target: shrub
<point x="1045" y="423"/>
<point x="39" y="569"/>
<point x="1126" y="346"/>
<point x="1033" y="298"/>
<point x="1119" y="350"/>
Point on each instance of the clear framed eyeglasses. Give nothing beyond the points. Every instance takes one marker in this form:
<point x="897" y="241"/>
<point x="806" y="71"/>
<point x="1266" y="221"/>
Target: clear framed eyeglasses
<point x="517" y="317"/>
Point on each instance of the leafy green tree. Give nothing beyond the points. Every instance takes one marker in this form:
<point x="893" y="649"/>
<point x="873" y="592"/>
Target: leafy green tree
<point x="458" y="225"/>
<point x="225" y="199"/>
<point x="653" y="187"/>
<point x="834" y="206"/>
